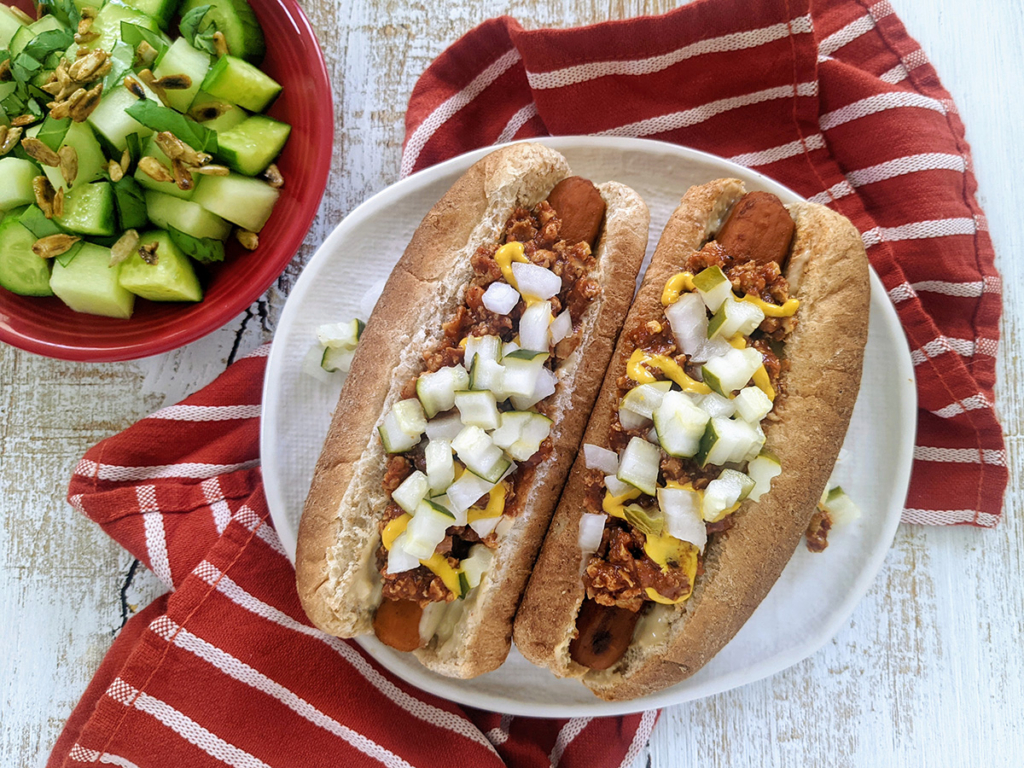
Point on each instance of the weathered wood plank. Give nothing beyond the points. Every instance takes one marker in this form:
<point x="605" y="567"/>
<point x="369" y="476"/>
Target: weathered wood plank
<point x="927" y="671"/>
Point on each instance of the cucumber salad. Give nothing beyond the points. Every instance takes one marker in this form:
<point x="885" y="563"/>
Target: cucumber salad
<point x="132" y="147"/>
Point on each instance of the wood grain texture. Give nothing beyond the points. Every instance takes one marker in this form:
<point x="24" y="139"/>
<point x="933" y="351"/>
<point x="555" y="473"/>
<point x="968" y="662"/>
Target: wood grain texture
<point x="927" y="671"/>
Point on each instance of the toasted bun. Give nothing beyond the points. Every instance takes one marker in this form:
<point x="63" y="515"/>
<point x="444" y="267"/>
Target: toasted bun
<point x="828" y="272"/>
<point x="338" y="535"/>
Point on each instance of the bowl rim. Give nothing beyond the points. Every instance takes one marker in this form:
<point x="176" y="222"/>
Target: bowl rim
<point x="269" y="269"/>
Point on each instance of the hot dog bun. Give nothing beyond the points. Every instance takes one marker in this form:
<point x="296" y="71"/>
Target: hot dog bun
<point x="339" y="533"/>
<point x="827" y="271"/>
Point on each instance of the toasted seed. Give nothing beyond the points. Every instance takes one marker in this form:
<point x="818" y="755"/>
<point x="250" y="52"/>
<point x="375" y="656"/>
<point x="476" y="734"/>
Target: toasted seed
<point x="209" y="111"/>
<point x="249" y="240"/>
<point x="272" y="175"/>
<point x="58" y="203"/>
<point x="53" y="87"/>
<point x="54" y="245"/>
<point x="84" y="106"/>
<point x="81" y="52"/>
<point x="5" y="70"/>
<point x="89" y="12"/>
<point x="148" y="253"/>
<point x="176" y="149"/>
<point x="22" y="16"/>
<point x="182" y="177"/>
<point x="3" y="134"/>
<point x="24" y="120"/>
<point x="85" y="37"/>
<point x="149" y="79"/>
<point x="211" y="170"/>
<point x="146" y="53"/>
<point x="40" y="152"/>
<point x="178" y="82"/>
<point x="84" y="24"/>
<point x="124" y="247"/>
<point x="155" y="169"/>
<point x="44" y="195"/>
<point x="114" y="169"/>
<point x="86" y="69"/>
<point x="134" y="87"/>
<point x="11" y="139"/>
<point x="220" y="44"/>
<point x="68" y="163"/>
<point x="126" y="160"/>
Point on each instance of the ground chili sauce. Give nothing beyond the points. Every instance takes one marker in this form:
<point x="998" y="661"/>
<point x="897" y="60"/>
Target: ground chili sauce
<point x="538" y="230"/>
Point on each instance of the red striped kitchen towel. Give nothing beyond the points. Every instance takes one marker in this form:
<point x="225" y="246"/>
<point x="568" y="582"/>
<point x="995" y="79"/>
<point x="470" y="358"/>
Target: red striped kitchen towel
<point x="226" y="670"/>
<point x="833" y="99"/>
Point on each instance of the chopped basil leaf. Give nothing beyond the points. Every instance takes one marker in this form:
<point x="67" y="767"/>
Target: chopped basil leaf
<point x="35" y="221"/>
<point x="42" y="45"/>
<point x="131" y="204"/>
<point x="202" y="249"/>
<point x="121" y="59"/>
<point x="65" y="258"/>
<point x="134" y="151"/>
<point x="160" y="118"/>
<point x="52" y="132"/>
<point x="133" y="35"/>
<point x="201" y="39"/>
<point x="65" y="11"/>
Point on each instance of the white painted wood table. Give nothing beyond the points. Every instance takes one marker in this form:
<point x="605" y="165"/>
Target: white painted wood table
<point x="927" y="672"/>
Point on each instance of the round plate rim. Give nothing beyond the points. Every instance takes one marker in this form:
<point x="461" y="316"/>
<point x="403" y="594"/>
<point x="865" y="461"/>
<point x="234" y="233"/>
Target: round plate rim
<point x="448" y="688"/>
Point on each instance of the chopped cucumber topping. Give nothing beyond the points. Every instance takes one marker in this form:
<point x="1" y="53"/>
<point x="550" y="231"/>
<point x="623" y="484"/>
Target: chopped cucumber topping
<point x="440" y="465"/>
<point x="713" y="286"/>
<point x="680" y="425"/>
<point x="639" y="465"/>
<point x="411" y="492"/>
<point x="735" y="317"/>
<point x="478" y="409"/>
<point x="644" y="399"/>
<point x="763" y="469"/>
<point x="436" y="390"/>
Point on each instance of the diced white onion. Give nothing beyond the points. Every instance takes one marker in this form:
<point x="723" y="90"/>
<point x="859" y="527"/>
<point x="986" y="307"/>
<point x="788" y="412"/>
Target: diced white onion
<point x="544" y="387"/>
<point x="500" y="298"/>
<point x="477" y="564"/>
<point x="683" y="515"/>
<point x="400" y="561"/>
<point x="535" y="281"/>
<point x="616" y="487"/>
<point x="630" y="420"/>
<point x="533" y="327"/>
<point x="440" y="464"/>
<point x="710" y="348"/>
<point x="591" y="531"/>
<point x="484" y="525"/>
<point x="689" y="320"/>
<point x="752" y="404"/>
<point x="445" y="427"/>
<point x="561" y="327"/>
<point x="713" y="404"/>
<point x="466" y="491"/>
<point x="600" y="458"/>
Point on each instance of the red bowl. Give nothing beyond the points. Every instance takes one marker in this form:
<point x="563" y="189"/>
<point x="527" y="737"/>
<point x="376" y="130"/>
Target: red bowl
<point x="47" y="327"/>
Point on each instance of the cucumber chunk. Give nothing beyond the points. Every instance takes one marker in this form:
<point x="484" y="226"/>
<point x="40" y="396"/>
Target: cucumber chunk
<point x="170" y="279"/>
<point x="16" y="186"/>
<point x="237" y="22"/>
<point x="107" y="25"/>
<point x="236" y="80"/>
<point x="216" y="114"/>
<point x="111" y="121"/>
<point x="151" y="149"/>
<point x="251" y="146"/>
<point x="91" y="163"/>
<point x="21" y="271"/>
<point x="20" y="39"/>
<point x="239" y="199"/>
<point x="89" y="210"/>
<point x="182" y="59"/>
<point x="160" y="10"/>
<point x="9" y="25"/>
<point x="89" y="284"/>
<point x="186" y="216"/>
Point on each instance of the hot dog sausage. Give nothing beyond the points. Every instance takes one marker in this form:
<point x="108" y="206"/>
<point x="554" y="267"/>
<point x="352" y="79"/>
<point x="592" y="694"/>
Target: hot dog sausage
<point x="397" y="623"/>
<point x="758" y="228"/>
<point x="603" y="634"/>
<point x="581" y="208"/>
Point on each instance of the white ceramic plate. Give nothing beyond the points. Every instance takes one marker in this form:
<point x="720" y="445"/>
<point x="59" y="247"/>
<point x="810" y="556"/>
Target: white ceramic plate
<point x="816" y="593"/>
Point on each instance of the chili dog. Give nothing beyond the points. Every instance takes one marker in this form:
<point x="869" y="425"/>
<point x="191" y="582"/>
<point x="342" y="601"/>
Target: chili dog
<point x="716" y="429"/>
<point x="464" y="408"/>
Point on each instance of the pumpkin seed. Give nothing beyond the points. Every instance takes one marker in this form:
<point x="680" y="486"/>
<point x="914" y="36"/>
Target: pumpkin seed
<point x="124" y="247"/>
<point x="54" y="245"/>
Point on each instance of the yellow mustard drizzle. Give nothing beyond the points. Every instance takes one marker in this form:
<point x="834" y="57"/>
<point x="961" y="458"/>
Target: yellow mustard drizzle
<point x="664" y="549"/>
<point x="683" y="281"/>
<point x="505" y="256"/>
<point x="636" y="371"/>
<point x="393" y="530"/>
<point x="439" y="565"/>
<point x="616" y="505"/>
<point x="495" y="505"/>
<point x="762" y="382"/>
<point x="774" y="310"/>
